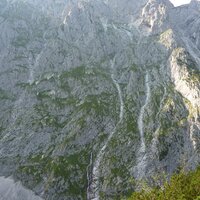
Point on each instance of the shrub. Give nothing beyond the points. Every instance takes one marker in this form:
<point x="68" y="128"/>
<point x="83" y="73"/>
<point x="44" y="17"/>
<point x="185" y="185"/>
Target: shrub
<point x="182" y="186"/>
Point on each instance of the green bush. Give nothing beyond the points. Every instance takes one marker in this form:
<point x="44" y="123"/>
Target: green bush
<point x="182" y="186"/>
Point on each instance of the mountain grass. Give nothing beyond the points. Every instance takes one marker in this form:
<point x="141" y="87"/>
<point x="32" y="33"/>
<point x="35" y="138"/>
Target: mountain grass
<point x="182" y="186"/>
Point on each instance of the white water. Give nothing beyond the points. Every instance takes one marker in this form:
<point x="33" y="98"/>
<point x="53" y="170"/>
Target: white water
<point x="10" y="190"/>
<point x="33" y="68"/>
<point x="89" y="176"/>
<point x="141" y="115"/>
<point x="192" y="138"/>
<point x="93" y="188"/>
<point x="141" y="158"/>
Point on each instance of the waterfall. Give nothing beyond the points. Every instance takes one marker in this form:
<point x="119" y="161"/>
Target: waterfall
<point x="141" y="161"/>
<point x="142" y="111"/>
<point x="191" y="135"/>
<point x="93" y="186"/>
<point x="33" y="67"/>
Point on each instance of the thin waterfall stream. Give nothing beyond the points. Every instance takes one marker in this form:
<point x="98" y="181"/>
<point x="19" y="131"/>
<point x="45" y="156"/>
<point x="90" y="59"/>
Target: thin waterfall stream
<point x="141" y="163"/>
<point x="93" y="186"/>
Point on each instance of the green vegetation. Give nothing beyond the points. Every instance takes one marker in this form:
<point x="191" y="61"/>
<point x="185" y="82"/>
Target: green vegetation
<point x="98" y="103"/>
<point x="20" y="41"/>
<point x="130" y="122"/>
<point x="134" y="68"/>
<point x="171" y="115"/>
<point x="1" y="128"/>
<point x="191" y="109"/>
<point x="165" y="38"/>
<point x="194" y="76"/>
<point x="58" y="170"/>
<point x="189" y="67"/>
<point x="4" y="95"/>
<point x="68" y="113"/>
<point x="182" y="186"/>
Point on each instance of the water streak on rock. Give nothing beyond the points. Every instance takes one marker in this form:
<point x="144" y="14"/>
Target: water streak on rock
<point x="142" y="157"/>
<point x="93" y="188"/>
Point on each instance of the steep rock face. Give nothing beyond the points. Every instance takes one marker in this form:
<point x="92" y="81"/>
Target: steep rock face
<point x="155" y="15"/>
<point x="97" y="94"/>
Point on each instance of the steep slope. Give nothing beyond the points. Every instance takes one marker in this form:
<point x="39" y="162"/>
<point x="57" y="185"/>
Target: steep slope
<point x="96" y="95"/>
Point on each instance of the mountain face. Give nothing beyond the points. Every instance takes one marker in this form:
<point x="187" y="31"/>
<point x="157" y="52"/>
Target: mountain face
<point x="96" y="95"/>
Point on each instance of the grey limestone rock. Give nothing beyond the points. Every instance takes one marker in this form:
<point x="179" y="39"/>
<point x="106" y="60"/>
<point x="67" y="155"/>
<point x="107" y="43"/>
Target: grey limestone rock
<point x="97" y="94"/>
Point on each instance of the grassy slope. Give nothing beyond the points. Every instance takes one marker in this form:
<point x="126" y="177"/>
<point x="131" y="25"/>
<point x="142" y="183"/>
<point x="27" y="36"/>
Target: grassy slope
<point x="181" y="186"/>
